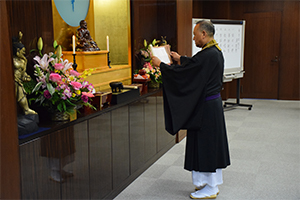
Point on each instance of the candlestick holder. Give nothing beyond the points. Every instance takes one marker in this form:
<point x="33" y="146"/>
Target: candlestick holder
<point x="108" y="61"/>
<point x="74" y="61"/>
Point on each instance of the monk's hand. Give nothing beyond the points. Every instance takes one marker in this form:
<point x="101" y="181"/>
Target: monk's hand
<point x="175" y="56"/>
<point x="155" y="61"/>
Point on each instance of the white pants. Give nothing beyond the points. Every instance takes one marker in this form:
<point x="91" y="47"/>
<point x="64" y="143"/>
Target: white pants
<point x="210" y="178"/>
<point x="56" y="163"/>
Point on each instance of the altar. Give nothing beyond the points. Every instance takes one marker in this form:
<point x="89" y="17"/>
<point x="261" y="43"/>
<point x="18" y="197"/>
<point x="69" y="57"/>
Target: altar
<point x="88" y="59"/>
<point x="102" y="73"/>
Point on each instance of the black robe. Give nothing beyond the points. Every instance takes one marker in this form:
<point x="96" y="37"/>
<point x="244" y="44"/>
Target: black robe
<point x="185" y="89"/>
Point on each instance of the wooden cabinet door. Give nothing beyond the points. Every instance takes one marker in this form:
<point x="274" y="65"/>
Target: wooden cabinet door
<point x="262" y="55"/>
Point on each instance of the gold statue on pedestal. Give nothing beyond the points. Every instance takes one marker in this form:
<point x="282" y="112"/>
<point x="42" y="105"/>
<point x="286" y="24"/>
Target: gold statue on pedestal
<point x="20" y="63"/>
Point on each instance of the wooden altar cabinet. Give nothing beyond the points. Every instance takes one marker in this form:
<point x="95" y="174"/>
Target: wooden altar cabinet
<point x="87" y="59"/>
<point x="102" y="74"/>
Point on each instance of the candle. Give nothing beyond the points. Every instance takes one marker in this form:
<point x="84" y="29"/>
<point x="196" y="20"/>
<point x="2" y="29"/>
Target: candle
<point x="107" y="43"/>
<point x="73" y="38"/>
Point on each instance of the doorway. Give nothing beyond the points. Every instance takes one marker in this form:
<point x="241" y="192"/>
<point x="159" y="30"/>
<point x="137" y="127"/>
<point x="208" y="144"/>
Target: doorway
<point x="262" y="55"/>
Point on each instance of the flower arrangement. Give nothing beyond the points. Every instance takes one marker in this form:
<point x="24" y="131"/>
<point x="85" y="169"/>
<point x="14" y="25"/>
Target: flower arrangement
<point x="59" y="87"/>
<point x="154" y="72"/>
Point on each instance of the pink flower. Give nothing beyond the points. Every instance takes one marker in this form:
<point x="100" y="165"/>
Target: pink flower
<point x="150" y="67"/>
<point x="90" y="87"/>
<point x="84" y="98"/>
<point x="85" y="84"/>
<point x="76" y="85"/>
<point x="47" y="94"/>
<point x="147" y="65"/>
<point x="43" y="80"/>
<point x="63" y="86"/>
<point x="66" y="94"/>
<point x="58" y="66"/>
<point x="74" y="73"/>
<point x="88" y="94"/>
<point x="54" y="77"/>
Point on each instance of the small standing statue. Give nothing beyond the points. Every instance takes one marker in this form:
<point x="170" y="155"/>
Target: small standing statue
<point x="84" y="39"/>
<point x="20" y="63"/>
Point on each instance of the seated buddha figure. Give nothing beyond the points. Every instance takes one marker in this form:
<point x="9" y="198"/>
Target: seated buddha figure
<point x="84" y="39"/>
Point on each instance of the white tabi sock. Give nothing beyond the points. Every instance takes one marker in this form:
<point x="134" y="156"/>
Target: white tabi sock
<point x="205" y="192"/>
<point x="55" y="176"/>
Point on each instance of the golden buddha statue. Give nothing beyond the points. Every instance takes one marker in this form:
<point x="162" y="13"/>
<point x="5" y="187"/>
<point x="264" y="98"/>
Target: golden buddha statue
<point x="20" y="63"/>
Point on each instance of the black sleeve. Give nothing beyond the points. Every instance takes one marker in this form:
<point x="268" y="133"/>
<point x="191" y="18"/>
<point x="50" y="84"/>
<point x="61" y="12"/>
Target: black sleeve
<point x="184" y="59"/>
<point x="184" y="90"/>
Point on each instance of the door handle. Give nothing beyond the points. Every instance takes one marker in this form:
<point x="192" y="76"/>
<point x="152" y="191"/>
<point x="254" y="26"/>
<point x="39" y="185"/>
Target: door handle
<point x="275" y="60"/>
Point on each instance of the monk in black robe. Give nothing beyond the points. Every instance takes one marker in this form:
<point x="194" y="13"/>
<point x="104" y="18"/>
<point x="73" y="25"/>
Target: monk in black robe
<point x="192" y="101"/>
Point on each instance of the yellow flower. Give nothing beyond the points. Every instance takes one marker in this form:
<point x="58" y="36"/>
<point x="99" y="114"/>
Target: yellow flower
<point x="90" y="72"/>
<point x="86" y="73"/>
<point x="73" y="95"/>
<point x="71" y="78"/>
<point x="78" y="92"/>
<point x="147" y="70"/>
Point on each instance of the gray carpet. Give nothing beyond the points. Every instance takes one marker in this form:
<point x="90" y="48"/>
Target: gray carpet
<point x="265" y="158"/>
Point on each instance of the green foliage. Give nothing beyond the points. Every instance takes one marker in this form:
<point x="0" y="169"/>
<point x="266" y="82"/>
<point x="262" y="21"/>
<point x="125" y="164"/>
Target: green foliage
<point x="28" y="86"/>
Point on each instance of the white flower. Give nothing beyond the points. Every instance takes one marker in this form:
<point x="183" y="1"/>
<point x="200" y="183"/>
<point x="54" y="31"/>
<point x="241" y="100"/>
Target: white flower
<point x="44" y="62"/>
<point x="67" y="65"/>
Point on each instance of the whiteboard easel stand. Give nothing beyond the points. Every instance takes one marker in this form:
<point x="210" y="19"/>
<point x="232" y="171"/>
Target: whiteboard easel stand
<point x="232" y="105"/>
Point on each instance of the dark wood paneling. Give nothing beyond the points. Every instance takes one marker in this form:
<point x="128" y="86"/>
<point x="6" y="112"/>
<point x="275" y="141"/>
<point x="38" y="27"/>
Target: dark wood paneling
<point x="262" y="6"/>
<point x="35" y="171"/>
<point x="261" y="77"/>
<point x="76" y="135"/>
<point x="44" y="24"/>
<point x="197" y="9"/>
<point x="166" y="22"/>
<point x="216" y="9"/>
<point x="10" y="171"/>
<point x="34" y="20"/>
<point x="180" y="135"/>
<point x="143" y="26"/>
<point x="104" y="156"/>
<point x="137" y="136"/>
<point x="163" y="137"/>
<point x="289" y="58"/>
<point x="120" y="145"/>
<point x="237" y="10"/>
<point x="66" y="149"/>
<point x="184" y="21"/>
<point x="150" y="127"/>
<point x="100" y="156"/>
<point x="24" y="20"/>
<point x="151" y="19"/>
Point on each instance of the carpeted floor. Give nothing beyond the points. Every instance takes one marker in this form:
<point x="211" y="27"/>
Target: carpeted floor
<point x="265" y="158"/>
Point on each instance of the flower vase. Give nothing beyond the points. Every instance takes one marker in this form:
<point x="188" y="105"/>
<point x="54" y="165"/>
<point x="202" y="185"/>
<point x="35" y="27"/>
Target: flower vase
<point x="153" y="84"/>
<point x="60" y="116"/>
<point x="73" y="115"/>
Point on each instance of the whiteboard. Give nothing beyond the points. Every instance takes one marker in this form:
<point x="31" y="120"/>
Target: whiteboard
<point x="229" y="35"/>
